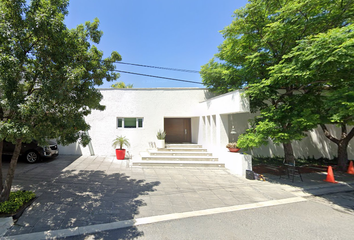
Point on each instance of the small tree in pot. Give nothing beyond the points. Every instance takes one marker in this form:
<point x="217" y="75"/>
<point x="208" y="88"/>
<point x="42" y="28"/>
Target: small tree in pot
<point x="161" y="135"/>
<point x="120" y="141"/>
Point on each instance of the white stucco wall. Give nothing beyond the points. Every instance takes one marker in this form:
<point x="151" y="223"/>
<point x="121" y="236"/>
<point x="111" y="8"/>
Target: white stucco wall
<point x="214" y="122"/>
<point x="151" y="104"/>
<point x="211" y="121"/>
<point x="233" y="102"/>
<point x="314" y="145"/>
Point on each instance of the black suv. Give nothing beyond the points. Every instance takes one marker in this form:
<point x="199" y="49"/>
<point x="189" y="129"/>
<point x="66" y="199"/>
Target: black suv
<point x="32" y="151"/>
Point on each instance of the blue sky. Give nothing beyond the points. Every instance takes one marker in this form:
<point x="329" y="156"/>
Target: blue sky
<point x="166" y="33"/>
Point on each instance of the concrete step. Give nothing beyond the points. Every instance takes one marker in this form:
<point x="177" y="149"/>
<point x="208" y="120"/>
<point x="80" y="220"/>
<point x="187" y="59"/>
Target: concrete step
<point x="181" y="149"/>
<point x="177" y="153"/>
<point x="187" y="145"/>
<point x="178" y="163"/>
<point x="179" y="158"/>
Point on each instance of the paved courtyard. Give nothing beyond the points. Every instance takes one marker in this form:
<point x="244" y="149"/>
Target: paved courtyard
<point x="79" y="191"/>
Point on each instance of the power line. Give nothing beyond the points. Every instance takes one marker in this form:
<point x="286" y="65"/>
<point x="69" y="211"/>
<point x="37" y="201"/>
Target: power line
<point x="146" y="75"/>
<point x="164" y="68"/>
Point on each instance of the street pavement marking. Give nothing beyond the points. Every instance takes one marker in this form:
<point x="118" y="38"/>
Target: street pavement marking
<point x="69" y="232"/>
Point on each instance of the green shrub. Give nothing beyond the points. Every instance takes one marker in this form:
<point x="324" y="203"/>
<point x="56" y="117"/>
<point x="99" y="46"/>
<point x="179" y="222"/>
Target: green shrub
<point x="16" y="201"/>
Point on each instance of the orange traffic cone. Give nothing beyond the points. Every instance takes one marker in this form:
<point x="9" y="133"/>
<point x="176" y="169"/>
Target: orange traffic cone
<point x="330" y="176"/>
<point x="350" y="168"/>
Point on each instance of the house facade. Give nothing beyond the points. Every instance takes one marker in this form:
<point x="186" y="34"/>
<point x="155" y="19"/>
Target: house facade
<point x="188" y="115"/>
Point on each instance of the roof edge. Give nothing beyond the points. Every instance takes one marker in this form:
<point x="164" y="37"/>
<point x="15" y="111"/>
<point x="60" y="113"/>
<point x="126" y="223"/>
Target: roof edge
<point x="141" y="89"/>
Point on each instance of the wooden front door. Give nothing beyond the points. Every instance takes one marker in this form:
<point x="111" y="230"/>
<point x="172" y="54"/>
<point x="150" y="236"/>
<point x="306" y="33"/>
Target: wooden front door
<point x="178" y="130"/>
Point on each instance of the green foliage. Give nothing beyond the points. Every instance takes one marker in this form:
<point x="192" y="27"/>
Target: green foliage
<point x="120" y="141"/>
<point x="219" y="78"/>
<point x="16" y="201"/>
<point x="161" y="135"/>
<point x="285" y="54"/>
<point x="121" y="85"/>
<point x="48" y="73"/>
<point x="251" y="139"/>
<point x="323" y="66"/>
<point x="320" y="68"/>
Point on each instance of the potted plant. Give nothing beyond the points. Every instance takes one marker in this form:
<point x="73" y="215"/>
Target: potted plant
<point x="120" y="141"/>
<point x="233" y="147"/>
<point x="161" y="135"/>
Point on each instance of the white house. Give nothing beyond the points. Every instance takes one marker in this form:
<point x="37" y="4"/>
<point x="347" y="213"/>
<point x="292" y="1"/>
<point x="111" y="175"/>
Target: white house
<point x="188" y="115"/>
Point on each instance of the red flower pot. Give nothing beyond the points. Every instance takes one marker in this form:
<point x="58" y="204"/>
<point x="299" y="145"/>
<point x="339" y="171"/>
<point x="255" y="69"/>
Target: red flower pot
<point x="234" y="149"/>
<point x="120" y="153"/>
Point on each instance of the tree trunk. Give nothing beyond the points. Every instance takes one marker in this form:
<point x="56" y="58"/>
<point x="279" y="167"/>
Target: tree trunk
<point x="342" y="155"/>
<point x="342" y="144"/>
<point x="1" y="149"/>
<point x="5" y="193"/>
<point x="288" y="153"/>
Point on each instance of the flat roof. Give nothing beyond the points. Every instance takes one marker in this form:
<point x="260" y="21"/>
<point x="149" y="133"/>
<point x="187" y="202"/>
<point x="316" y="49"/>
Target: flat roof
<point x="131" y="89"/>
<point x="223" y="95"/>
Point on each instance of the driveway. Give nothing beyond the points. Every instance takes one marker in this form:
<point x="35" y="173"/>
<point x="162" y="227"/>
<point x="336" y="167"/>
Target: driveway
<point x="83" y="192"/>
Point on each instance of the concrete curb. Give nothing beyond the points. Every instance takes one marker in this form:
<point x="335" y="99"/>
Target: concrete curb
<point x="321" y="189"/>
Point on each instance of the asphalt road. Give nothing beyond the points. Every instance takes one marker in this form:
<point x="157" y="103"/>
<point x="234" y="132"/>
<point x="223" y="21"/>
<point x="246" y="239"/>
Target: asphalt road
<point x="316" y="218"/>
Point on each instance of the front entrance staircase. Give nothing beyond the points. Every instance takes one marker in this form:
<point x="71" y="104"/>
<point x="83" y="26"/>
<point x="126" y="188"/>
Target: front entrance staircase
<point x="178" y="155"/>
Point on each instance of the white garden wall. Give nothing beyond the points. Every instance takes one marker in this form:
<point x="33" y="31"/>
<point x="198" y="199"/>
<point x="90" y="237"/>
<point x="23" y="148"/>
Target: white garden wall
<point x="315" y="145"/>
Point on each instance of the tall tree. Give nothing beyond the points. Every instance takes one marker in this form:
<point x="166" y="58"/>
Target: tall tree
<point x="48" y="75"/>
<point x="323" y="66"/>
<point x="261" y="34"/>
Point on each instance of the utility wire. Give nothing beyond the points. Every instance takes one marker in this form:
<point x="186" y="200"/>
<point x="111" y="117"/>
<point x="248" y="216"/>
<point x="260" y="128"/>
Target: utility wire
<point x="146" y="75"/>
<point x="164" y="68"/>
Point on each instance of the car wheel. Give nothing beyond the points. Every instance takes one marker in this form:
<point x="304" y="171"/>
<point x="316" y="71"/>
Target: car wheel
<point x="32" y="156"/>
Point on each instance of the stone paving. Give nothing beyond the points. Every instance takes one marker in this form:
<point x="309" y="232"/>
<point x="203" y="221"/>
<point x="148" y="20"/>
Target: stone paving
<point x="80" y="191"/>
<point x="77" y="191"/>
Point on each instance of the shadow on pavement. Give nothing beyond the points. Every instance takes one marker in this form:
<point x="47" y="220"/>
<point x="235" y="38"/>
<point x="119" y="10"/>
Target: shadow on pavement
<point x="117" y="234"/>
<point x="72" y="199"/>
